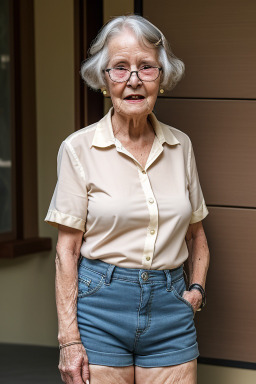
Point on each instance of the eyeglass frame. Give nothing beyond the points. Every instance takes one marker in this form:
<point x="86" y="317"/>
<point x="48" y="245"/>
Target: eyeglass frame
<point x="131" y="72"/>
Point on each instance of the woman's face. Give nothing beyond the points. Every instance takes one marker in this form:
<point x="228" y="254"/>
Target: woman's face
<point x="125" y="51"/>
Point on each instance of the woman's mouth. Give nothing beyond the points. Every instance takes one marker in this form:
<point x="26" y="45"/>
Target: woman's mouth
<point x="134" y="98"/>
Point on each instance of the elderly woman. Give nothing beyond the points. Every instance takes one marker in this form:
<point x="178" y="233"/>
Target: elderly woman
<point x="128" y="206"/>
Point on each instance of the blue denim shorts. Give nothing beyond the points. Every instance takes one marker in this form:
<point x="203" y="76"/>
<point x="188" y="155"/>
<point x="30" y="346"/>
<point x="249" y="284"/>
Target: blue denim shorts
<point x="134" y="316"/>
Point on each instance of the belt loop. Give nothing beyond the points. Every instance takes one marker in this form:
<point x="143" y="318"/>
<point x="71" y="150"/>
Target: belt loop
<point x="169" y="279"/>
<point x="109" y="273"/>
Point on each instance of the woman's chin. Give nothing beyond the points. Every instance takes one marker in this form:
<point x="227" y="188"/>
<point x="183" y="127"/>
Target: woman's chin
<point x="134" y="108"/>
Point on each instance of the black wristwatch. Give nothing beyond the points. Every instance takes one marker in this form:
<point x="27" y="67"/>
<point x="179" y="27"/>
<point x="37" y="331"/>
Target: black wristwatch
<point x="202" y="291"/>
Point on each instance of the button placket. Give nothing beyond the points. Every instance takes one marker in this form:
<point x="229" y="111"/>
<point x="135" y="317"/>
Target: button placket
<point x="157" y="149"/>
<point x="123" y="150"/>
<point x="149" y="246"/>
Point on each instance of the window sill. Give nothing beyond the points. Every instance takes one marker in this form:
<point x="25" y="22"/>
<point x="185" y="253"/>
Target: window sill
<point x="16" y="248"/>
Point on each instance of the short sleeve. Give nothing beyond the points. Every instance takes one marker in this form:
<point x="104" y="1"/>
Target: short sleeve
<point x="199" y="209"/>
<point x="69" y="201"/>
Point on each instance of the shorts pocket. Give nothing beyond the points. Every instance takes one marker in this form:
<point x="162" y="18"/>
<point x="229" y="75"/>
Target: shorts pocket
<point x="178" y="288"/>
<point x="89" y="282"/>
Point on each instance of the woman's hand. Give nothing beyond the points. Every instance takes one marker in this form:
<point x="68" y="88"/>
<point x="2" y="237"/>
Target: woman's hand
<point x="198" y="262"/>
<point x="73" y="365"/>
<point x="194" y="297"/>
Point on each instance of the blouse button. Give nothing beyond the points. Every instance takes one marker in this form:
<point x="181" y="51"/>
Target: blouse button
<point x="148" y="258"/>
<point x="152" y="231"/>
<point x="151" y="200"/>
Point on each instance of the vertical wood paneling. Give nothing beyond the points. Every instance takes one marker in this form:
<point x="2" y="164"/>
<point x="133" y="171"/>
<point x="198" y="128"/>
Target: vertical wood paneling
<point x="216" y="40"/>
<point x="227" y="324"/>
<point x="224" y="139"/>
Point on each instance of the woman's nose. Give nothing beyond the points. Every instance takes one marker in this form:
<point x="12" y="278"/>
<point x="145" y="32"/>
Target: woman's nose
<point x="134" y="79"/>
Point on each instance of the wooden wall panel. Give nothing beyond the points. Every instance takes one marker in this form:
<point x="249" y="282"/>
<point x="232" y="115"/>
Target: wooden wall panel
<point x="226" y="326"/>
<point x="216" y="40"/>
<point x="215" y="105"/>
<point x="223" y="134"/>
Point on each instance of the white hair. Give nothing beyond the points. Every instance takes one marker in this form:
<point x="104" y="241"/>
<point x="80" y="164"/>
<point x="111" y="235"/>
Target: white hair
<point x="92" y="70"/>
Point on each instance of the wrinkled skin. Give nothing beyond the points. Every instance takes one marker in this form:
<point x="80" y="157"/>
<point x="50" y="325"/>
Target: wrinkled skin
<point x="136" y="135"/>
<point x="73" y="364"/>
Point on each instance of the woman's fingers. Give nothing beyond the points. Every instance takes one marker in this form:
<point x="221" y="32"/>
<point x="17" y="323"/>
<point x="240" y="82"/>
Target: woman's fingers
<point x="73" y="365"/>
<point x="85" y="370"/>
<point x="72" y="377"/>
<point x="194" y="297"/>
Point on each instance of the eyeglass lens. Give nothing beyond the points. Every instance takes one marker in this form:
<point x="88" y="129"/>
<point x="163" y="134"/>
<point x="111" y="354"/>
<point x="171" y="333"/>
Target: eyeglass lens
<point x="144" y="74"/>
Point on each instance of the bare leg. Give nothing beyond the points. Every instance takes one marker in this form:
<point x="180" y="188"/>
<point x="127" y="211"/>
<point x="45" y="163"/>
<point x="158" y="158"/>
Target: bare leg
<point x="177" y="374"/>
<point x="101" y="374"/>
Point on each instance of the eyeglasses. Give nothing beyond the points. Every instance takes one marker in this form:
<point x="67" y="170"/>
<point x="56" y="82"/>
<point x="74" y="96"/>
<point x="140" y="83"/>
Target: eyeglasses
<point x="120" y="75"/>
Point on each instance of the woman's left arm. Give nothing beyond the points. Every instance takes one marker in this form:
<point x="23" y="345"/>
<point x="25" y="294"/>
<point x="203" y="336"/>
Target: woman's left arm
<point x="198" y="262"/>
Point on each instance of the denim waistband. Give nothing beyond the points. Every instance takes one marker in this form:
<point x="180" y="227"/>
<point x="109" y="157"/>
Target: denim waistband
<point x="134" y="274"/>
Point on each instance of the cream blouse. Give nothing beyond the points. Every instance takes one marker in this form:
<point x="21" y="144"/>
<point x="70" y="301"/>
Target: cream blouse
<point x="131" y="217"/>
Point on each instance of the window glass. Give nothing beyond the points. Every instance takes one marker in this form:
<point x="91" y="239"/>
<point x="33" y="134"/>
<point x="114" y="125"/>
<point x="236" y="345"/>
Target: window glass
<point x="5" y="121"/>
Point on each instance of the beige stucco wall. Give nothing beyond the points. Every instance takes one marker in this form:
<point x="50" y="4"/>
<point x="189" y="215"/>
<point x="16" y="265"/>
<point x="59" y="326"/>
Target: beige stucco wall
<point x="113" y="8"/>
<point x="27" y="310"/>
<point x="28" y="314"/>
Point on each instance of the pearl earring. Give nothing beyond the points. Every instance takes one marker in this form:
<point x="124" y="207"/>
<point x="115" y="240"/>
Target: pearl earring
<point x="104" y="91"/>
<point x="161" y="90"/>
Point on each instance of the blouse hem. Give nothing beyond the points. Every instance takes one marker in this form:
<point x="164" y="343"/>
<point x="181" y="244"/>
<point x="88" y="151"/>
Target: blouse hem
<point x="55" y="217"/>
<point x="200" y="214"/>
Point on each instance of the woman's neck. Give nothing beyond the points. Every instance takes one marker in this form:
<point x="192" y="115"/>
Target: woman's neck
<point x="131" y="128"/>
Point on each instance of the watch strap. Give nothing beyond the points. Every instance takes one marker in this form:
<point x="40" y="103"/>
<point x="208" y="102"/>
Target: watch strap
<point x="199" y="288"/>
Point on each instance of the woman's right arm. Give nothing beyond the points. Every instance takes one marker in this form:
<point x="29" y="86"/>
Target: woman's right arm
<point x="73" y="363"/>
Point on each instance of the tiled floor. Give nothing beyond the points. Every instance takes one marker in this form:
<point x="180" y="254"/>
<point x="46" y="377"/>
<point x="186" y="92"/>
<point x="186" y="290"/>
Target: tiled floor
<point x="39" y="365"/>
<point x="28" y="364"/>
